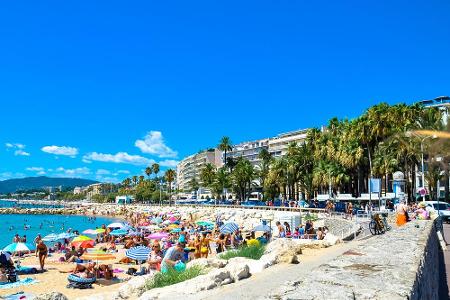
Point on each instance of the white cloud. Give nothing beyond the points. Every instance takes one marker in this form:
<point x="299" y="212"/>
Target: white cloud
<point x="38" y="170"/>
<point x="61" y="150"/>
<point x="153" y="143"/>
<point x="10" y="175"/>
<point x="108" y="179"/>
<point x="102" y="172"/>
<point x="120" y="157"/>
<point x="73" y="172"/>
<point x="170" y="163"/>
<point x="21" y="153"/>
<point x="123" y="172"/>
<point x="15" y="145"/>
<point x="18" y="149"/>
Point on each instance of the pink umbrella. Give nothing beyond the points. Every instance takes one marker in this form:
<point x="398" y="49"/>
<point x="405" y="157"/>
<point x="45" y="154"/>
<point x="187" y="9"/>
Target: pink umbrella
<point x="172" y="219"/>
<point x="158" y="236"/>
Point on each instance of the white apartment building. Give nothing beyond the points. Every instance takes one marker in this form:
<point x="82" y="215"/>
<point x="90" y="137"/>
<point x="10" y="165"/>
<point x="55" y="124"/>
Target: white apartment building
<point x="190" y="168"/>
<point x="249" y="150"/>
<point x="278" y="145"/>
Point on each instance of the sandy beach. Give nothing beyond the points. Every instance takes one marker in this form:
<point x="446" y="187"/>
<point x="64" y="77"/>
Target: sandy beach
<point x="55" y="278"/>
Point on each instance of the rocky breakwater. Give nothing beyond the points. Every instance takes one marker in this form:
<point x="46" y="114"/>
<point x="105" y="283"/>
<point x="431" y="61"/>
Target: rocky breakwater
<point x="401" y="264"/>
<point x="41" y="211"/>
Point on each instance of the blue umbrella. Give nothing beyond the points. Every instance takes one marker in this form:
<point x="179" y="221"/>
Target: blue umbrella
<point x="229" y="228"/>
<point x="18" y="247"/>
<point x="157" y="220"/>
<point x="262" y="227"/>
<point x="118" y="232"/>
<point x="175" y="230"/>
<point x="66" y="235"/>
<point x="139" y="253"/>
<point x="53" y="237"/>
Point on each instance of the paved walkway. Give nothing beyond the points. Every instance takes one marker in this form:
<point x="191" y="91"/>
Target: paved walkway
<point x="445" y="265"/>
<point x="262" y="284"/>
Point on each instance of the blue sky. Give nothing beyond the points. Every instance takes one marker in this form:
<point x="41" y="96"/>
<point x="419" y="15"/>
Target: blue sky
<point x="98" y="90"/>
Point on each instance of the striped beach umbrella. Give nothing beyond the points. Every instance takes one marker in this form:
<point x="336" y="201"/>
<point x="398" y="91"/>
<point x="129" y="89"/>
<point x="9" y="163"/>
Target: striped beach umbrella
<point x="97" y="255"/>
<point x="18" y="247"/>
<point x="53" y="237"/>
<point x="67" y="235"/>
<point x="82" y="238"/>
<point x="229" y="228"/>
<point x="139" y="253"/>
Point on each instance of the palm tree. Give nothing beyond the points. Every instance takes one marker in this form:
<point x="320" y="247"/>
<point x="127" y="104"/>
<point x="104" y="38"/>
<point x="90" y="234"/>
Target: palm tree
<point x="134" y="179"/>
<point x="148" y="171"/>
<point x="225" y="145"/>
<point x="155" y="169"/>
<point x="243" y="175"/>
<point x="433" y="176"/>
<point x="169" y="176"/>
<point x="141" y="178"/>
<point x="126" y="182"/>
<point x="207" y="175"/>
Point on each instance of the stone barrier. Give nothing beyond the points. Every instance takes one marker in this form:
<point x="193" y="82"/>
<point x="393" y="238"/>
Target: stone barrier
<point x="401" y="264"/>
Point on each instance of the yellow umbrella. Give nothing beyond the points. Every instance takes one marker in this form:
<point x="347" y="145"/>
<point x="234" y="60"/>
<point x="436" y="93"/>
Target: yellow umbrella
<point x="173" y="226"/>
<point x="81" y="238"/>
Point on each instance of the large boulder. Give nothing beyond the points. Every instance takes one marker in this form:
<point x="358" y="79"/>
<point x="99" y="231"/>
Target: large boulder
<point x="239" y="268"/>
<point x="52" y="296"/>
<point x="208" y="263"/>
<point x="330" y="240"/>
<point x="282" y="251"/>
<point x="133" y="286"/>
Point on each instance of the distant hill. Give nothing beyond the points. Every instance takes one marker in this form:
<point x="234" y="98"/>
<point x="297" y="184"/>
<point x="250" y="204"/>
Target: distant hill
<point x="30" y="183"/>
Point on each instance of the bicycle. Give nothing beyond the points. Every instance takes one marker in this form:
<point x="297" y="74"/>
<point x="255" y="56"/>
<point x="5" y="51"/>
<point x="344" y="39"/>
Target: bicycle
<point x="378" y="224"/>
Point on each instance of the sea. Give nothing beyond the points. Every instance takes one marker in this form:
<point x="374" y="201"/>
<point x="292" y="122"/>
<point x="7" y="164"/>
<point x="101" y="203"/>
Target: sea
<point x="32" y="225"/>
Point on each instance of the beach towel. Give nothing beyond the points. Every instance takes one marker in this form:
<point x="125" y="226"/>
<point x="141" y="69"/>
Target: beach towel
<point x="23" y="282"/>
<point x="19" y="296"/>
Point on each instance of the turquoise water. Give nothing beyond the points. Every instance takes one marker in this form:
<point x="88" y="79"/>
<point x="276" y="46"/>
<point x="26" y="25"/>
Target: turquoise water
<point x="43" y="224"/>
<point x="20" y="204"/>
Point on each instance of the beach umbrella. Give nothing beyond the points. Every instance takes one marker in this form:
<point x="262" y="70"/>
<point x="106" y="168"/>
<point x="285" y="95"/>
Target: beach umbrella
<point x="139" y="253"/>
<point x="157" y="220"/>
<point x="166" y="222"/>
<point x="84" y="244"/>
<point x="172" y="226"/>
<point x="89" y="231"/>
<point x="158" y="236"/>
<point x="229" y="228"/>
<point x="175" y="230"/>
<point x="205" y="223"/>
<point x="172" y="219"/>
<point x="150" y="227"/>
<point x="262" y="227"/>
<point x="66" y="235"/>
<point x="53" y="237"/>
<point x="118" y="232"/>
<point x="19" y="247"/>
<point x="82" y="238"/>
<point x="97" y="255"/>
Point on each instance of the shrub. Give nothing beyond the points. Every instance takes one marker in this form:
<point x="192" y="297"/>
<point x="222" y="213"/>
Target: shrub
<point x="173" y="277"/>
<point x="253" y="252"/>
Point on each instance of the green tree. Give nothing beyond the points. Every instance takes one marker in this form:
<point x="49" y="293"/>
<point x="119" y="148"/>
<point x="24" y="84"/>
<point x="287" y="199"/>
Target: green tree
<point x="148" y="171"/>
<point x="243" y="175"/>
<point x="155" y="168"/>
<point x="225" y="145"/>
<point x="170" y="177"/>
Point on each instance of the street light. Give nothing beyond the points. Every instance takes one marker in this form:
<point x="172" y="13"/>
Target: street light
<point x="422" y="139"/>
